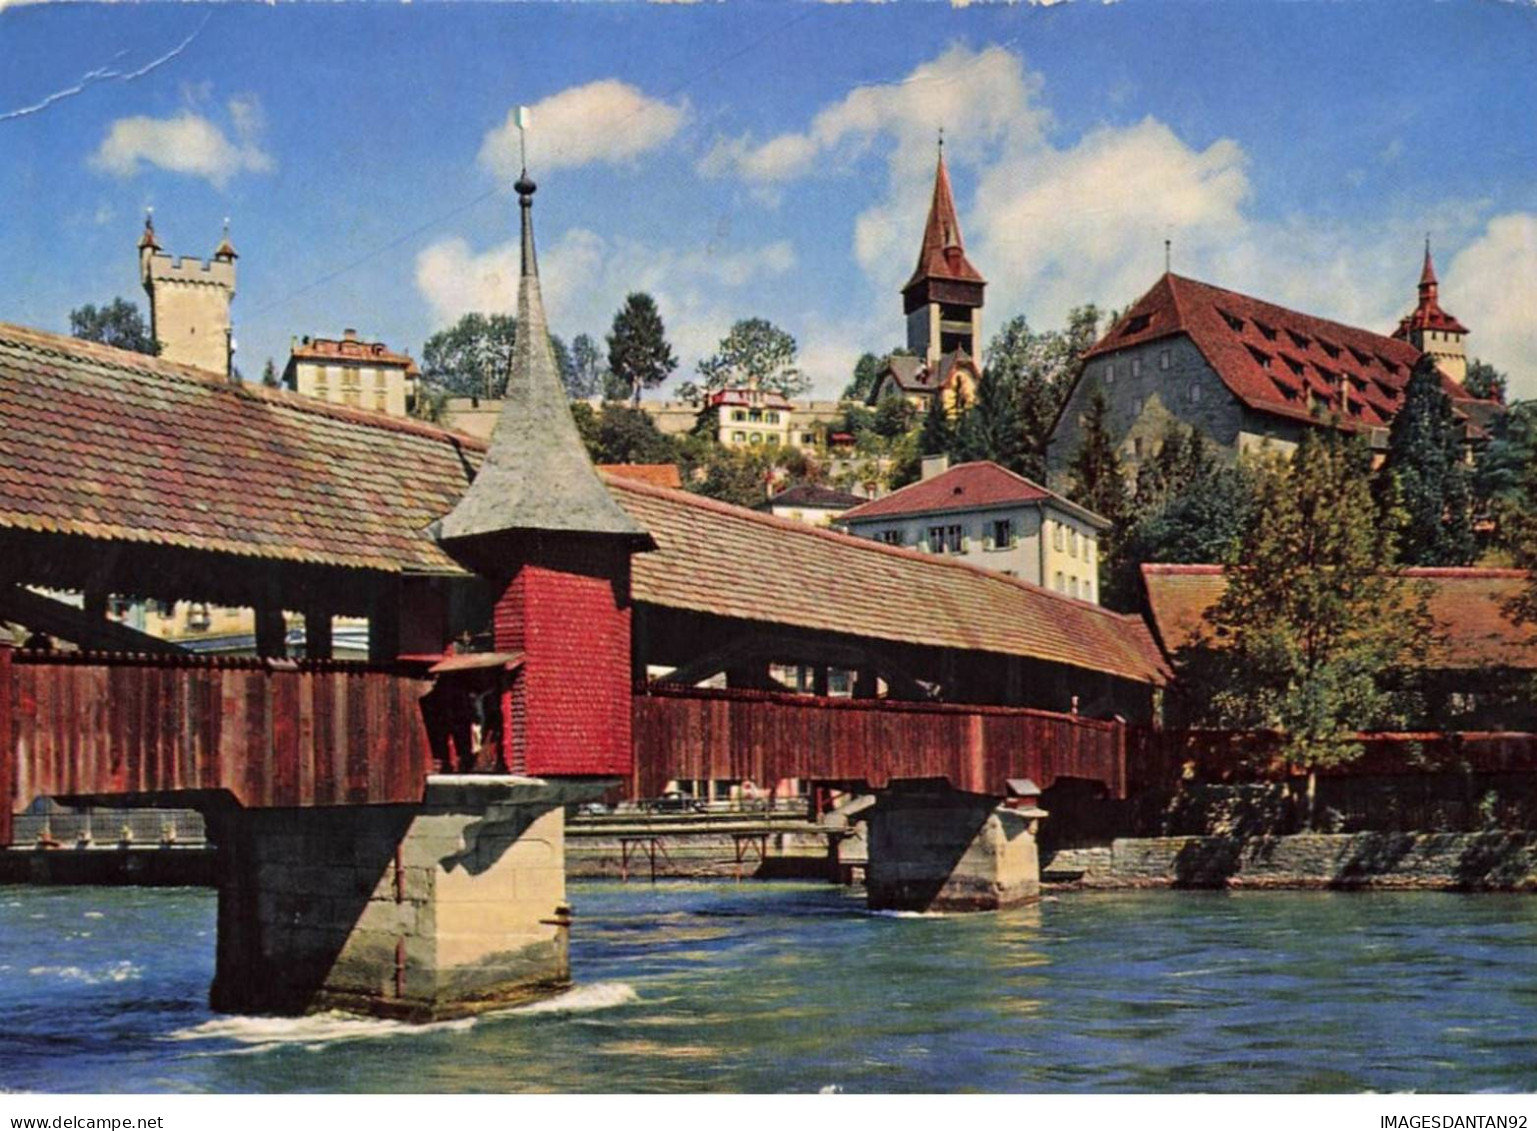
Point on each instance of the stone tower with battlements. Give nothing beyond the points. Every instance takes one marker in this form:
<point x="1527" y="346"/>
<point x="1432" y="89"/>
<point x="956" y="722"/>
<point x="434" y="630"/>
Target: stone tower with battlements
<point x="189" y="302"/>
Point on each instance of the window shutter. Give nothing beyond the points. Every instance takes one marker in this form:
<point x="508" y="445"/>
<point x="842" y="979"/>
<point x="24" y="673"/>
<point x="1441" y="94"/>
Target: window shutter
<point x="987" y="540"/>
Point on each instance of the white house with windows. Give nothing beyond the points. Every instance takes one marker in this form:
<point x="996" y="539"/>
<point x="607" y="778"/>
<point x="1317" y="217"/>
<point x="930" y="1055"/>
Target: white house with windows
<point x="749" y="417"/>
<point x="988" y="516"/>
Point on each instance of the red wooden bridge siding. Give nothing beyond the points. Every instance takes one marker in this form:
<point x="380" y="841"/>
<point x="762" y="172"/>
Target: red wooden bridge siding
<point x="312" y="734"/>
<point x="763" y="737"/>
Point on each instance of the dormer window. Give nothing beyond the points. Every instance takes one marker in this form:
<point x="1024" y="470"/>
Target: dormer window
<point x="1268" y="331"/>
<point x="1259" y="356"/>
<point x="1329" y="348"/>
<point x="1233" y="321"/>
<point x="1301" y="341"/>
<point x="1137" y="324"/>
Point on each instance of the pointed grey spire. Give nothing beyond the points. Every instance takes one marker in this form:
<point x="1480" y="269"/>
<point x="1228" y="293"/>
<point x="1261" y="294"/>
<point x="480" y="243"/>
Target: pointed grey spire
<point x="536" y="475"/>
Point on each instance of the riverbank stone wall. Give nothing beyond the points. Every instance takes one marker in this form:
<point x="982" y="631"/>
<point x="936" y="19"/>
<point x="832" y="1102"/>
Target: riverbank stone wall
<point x="1488" y="861"/>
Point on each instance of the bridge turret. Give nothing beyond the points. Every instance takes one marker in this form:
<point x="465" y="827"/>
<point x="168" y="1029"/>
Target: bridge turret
<point x="539" y="523"/>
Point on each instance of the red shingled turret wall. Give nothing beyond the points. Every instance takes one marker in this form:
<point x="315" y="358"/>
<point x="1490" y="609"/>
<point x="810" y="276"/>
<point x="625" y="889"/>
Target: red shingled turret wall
<point x="567" y="609"/>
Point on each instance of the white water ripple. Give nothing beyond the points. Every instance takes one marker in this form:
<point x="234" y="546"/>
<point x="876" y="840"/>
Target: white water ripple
<point x="321" y="1030"/>
<point x="116" y="972"/>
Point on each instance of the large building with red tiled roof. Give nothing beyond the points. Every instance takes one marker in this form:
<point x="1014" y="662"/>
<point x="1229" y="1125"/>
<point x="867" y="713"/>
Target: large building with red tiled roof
<point x="987" y="515"/>
<point x="1250" y="375"/>
<point x="1483" y="661"/>
<point x="942" y="303"/>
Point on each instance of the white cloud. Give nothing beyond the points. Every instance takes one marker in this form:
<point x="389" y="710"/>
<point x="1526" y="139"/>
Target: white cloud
<point x="1054" y="224"/>
<point x="187" y="143"/>
<point x="585" y="278"/>
<point x="606" y="121"/>
<point x="989" y="91"/>
<point x="1491" y="285"/>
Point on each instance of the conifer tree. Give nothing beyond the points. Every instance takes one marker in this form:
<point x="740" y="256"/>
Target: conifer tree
<point x="1429" y="476"/>
<point x="1098" y="481"/>
<point x="1316" y="630"/>
<point x="638" y="354"/>
<point x="937" y="435"/>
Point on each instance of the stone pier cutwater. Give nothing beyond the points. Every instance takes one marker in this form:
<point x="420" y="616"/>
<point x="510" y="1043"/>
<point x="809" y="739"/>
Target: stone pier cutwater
<point x="416" y="912"/>
<point x="936" y="848"/>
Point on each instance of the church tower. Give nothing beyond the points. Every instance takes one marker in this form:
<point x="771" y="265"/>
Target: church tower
<point x="189" y="302"/>
<point x="1432" y="330"/>
<point x="943" y="299"/>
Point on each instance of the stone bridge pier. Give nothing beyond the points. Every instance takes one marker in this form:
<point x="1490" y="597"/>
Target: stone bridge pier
<point x="418" y="912"/>
<point x="936" y="848"/>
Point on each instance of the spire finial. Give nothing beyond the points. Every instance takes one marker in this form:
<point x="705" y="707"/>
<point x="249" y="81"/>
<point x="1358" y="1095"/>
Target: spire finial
<point x="147" y="239"/>
<point x="941" y="142"/>
<point x="1168" y="247"/>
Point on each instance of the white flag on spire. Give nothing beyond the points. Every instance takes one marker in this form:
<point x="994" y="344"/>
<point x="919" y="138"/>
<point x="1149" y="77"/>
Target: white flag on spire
<point x="523" y="117"/>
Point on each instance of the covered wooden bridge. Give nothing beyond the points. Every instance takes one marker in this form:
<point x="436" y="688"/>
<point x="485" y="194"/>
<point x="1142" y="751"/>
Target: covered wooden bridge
<point x="124" y="476"/>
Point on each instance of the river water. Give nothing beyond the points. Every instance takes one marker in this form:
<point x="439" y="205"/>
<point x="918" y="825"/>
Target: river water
<point x="771" y="987"/>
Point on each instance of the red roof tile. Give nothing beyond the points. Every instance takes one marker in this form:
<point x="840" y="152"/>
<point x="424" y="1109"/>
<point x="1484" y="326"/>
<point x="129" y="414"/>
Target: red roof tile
<point x="1276" y="360"/>
<point x="750" y="398"/>
<point x="656" y="474"/>
<point x="105" y="443"/>
<point x="349" y="348"/>
<point x="725" y="560"/>
<point x="1466" y="604"/>
<point x="965" y="487"/>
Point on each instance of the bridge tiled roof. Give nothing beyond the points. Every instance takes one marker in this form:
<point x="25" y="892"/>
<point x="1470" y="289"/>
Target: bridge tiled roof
<point x="715" y="558"/>
<point x="110" y="444"/>
<point x="106" y="444"/>
<point x="1466" y="604"/>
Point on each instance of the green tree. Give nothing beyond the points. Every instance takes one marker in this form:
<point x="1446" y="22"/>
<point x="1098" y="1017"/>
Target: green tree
<point x="1485" y="381"/>
<point x="589" y="371"/>
<point x="1499" y="477"/>
<point x="270" y="375"/>
<point x="937" y="436"/>
<point x="1001" y="425"/>
<point x="736" y="475"/>
<point x="1098" y="478"/>
<point x="972" y="439"/>
<point x="1035" y="372"/>
<point x="1424" y="473"/>
<point x="1316" y="635"/>
<point x="638" y="354"/>
<point x="587" y="428"/>
<point x="894" y="416"/>
<point x="119" y="324"/>
<point x="473" y="357"/>
<point x="862" y="385"/>
<point x="629" y="435"/>
<point x="1197" y="522"/>
<point x="1098" y="482"/>
<point x="755" y="352"/>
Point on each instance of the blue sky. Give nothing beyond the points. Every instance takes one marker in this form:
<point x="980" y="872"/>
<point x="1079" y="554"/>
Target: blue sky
<point x="773" y="160"/>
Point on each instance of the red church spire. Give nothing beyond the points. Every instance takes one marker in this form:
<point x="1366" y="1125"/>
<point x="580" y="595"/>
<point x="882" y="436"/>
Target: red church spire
<point x="943" y="254"/>
<point x="1428" y="315"/>
<point x="1428" y="274"/>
